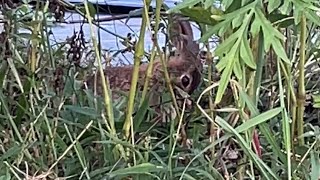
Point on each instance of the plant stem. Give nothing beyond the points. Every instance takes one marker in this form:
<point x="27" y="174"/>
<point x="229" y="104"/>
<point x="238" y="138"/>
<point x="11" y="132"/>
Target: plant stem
<point x="153" y="54"/>
<point x="259" y="70"/>
<point x="105" y="83"/>
<point x="139" y="52"/>
<point x="301" y="84"/>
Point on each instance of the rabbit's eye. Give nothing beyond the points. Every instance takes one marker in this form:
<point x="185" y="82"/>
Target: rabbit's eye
<point x="185" y="80"/>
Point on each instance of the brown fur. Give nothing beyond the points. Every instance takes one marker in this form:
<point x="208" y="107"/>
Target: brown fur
<point x="184" y="65"/>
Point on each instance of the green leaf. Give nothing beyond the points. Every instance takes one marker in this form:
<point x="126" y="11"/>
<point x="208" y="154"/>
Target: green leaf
<point x="225" y="77"/>
<point x="11" y="153"/>
<point x="297" y="16"/>
<point x="312" y="16"/>
<point x="212" y="31"/>
<point x="208" y="3"/>
<point x="264" y="128"/>
<point x="316" y="105"/>
<point x="246" y="53"/>
<point x="286" y="7"/>
<point x="5" y="177"/>
<point x="258" y="119"/>
<point x="83" y="110"/>
<point x="271" y="36"/>
<point x="223" y="61"/>
<point x="224" y="81"/>
<point x="3" y="70"/>
<point x="237" y="67"/>
<point x="138" y="169"/>
<point x="235" y="13"/>
<point x="184" y="4"/>
<point x="266" y="24"/>
<point x="237" y="21"/>
<point x="280" y="20"/>
<point x="188" y="177"/>
<point x="206" y="174"/>
<point x="227" y="45"/>
<point x="273" y="4"/>
<point x="140" y="115"/>
<point x="264" y="169"/>
<point x="255" y="27"/>
<point x="200" y="15"/>
<point x="226" y="3"/>
<point x="316" y="98"/>
<point x="315" y="165"/>
<point x="279" y="49"/>
<point x="92" y="9"/>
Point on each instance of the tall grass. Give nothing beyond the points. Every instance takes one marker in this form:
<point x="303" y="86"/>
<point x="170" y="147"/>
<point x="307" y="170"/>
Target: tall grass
<point x="255" y="116"/>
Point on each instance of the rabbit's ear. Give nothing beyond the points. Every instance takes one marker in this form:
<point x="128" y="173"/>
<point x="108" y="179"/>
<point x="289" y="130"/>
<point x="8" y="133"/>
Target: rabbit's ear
<point x="181" y="35"/>
<point x="180" y="31"/>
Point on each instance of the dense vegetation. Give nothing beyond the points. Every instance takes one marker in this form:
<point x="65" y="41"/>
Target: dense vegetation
<point x="255" y="115"/>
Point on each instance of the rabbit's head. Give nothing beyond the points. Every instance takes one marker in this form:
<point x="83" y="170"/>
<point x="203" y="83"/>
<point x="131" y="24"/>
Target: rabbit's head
<point x="185" y="66"/>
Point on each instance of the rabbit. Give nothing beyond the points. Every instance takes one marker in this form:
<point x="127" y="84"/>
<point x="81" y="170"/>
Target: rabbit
<point x="184" y="66"/>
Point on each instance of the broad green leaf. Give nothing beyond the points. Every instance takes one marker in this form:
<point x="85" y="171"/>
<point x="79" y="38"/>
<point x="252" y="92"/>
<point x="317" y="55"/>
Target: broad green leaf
<point x="207" y="174"/>
<point x="279" y="49"/>
<point x="264" y="169"/>
<point x="273" y="4"/>
<point x="316" y="105"/>
<point x="223" y="61"/>
<point x="315" y="165"/>
<point x="266" y="24"/>
<point x="5" y="177"/>
<point x="83" y="110"/>
<point x="255" y="27"/>
<point x="11" y="153"/>
<point x="188" y="177"/>
<point x="297" y="16"/>
<point x="208" y="3"/>
<point x="264" y="128"/>
<point x="200" y="15"/>
<point x="140" y="115"/>
<point x="316" y="98"/>
<point x="244" y="2"/>
<point x="312" y="16"/>
<point x="286" y="7"/>
<point x="224" y="81"/>
<point x="225" y="77"/>
<point x="213" y="30"/>
<point x="285" y="120"/>
<point x="258" y="119"/>
<point x="184" y="4"/>
<point x="280" y="20"/>
<point x="237" y="67"/>
<point x="92" y="9"/>
<point x="271" y="36"/>
<point x="226" y="45"/>
<point x="138" y="169"/>
<point x="224" y="25"/>
<point x="243" y="10"/>
<point x="237" y="21"/>
<point x="246" y="53"/>
<point x="226" y="3"/>
<point x="268" y="39"/>
<point x="224" y="29"/>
